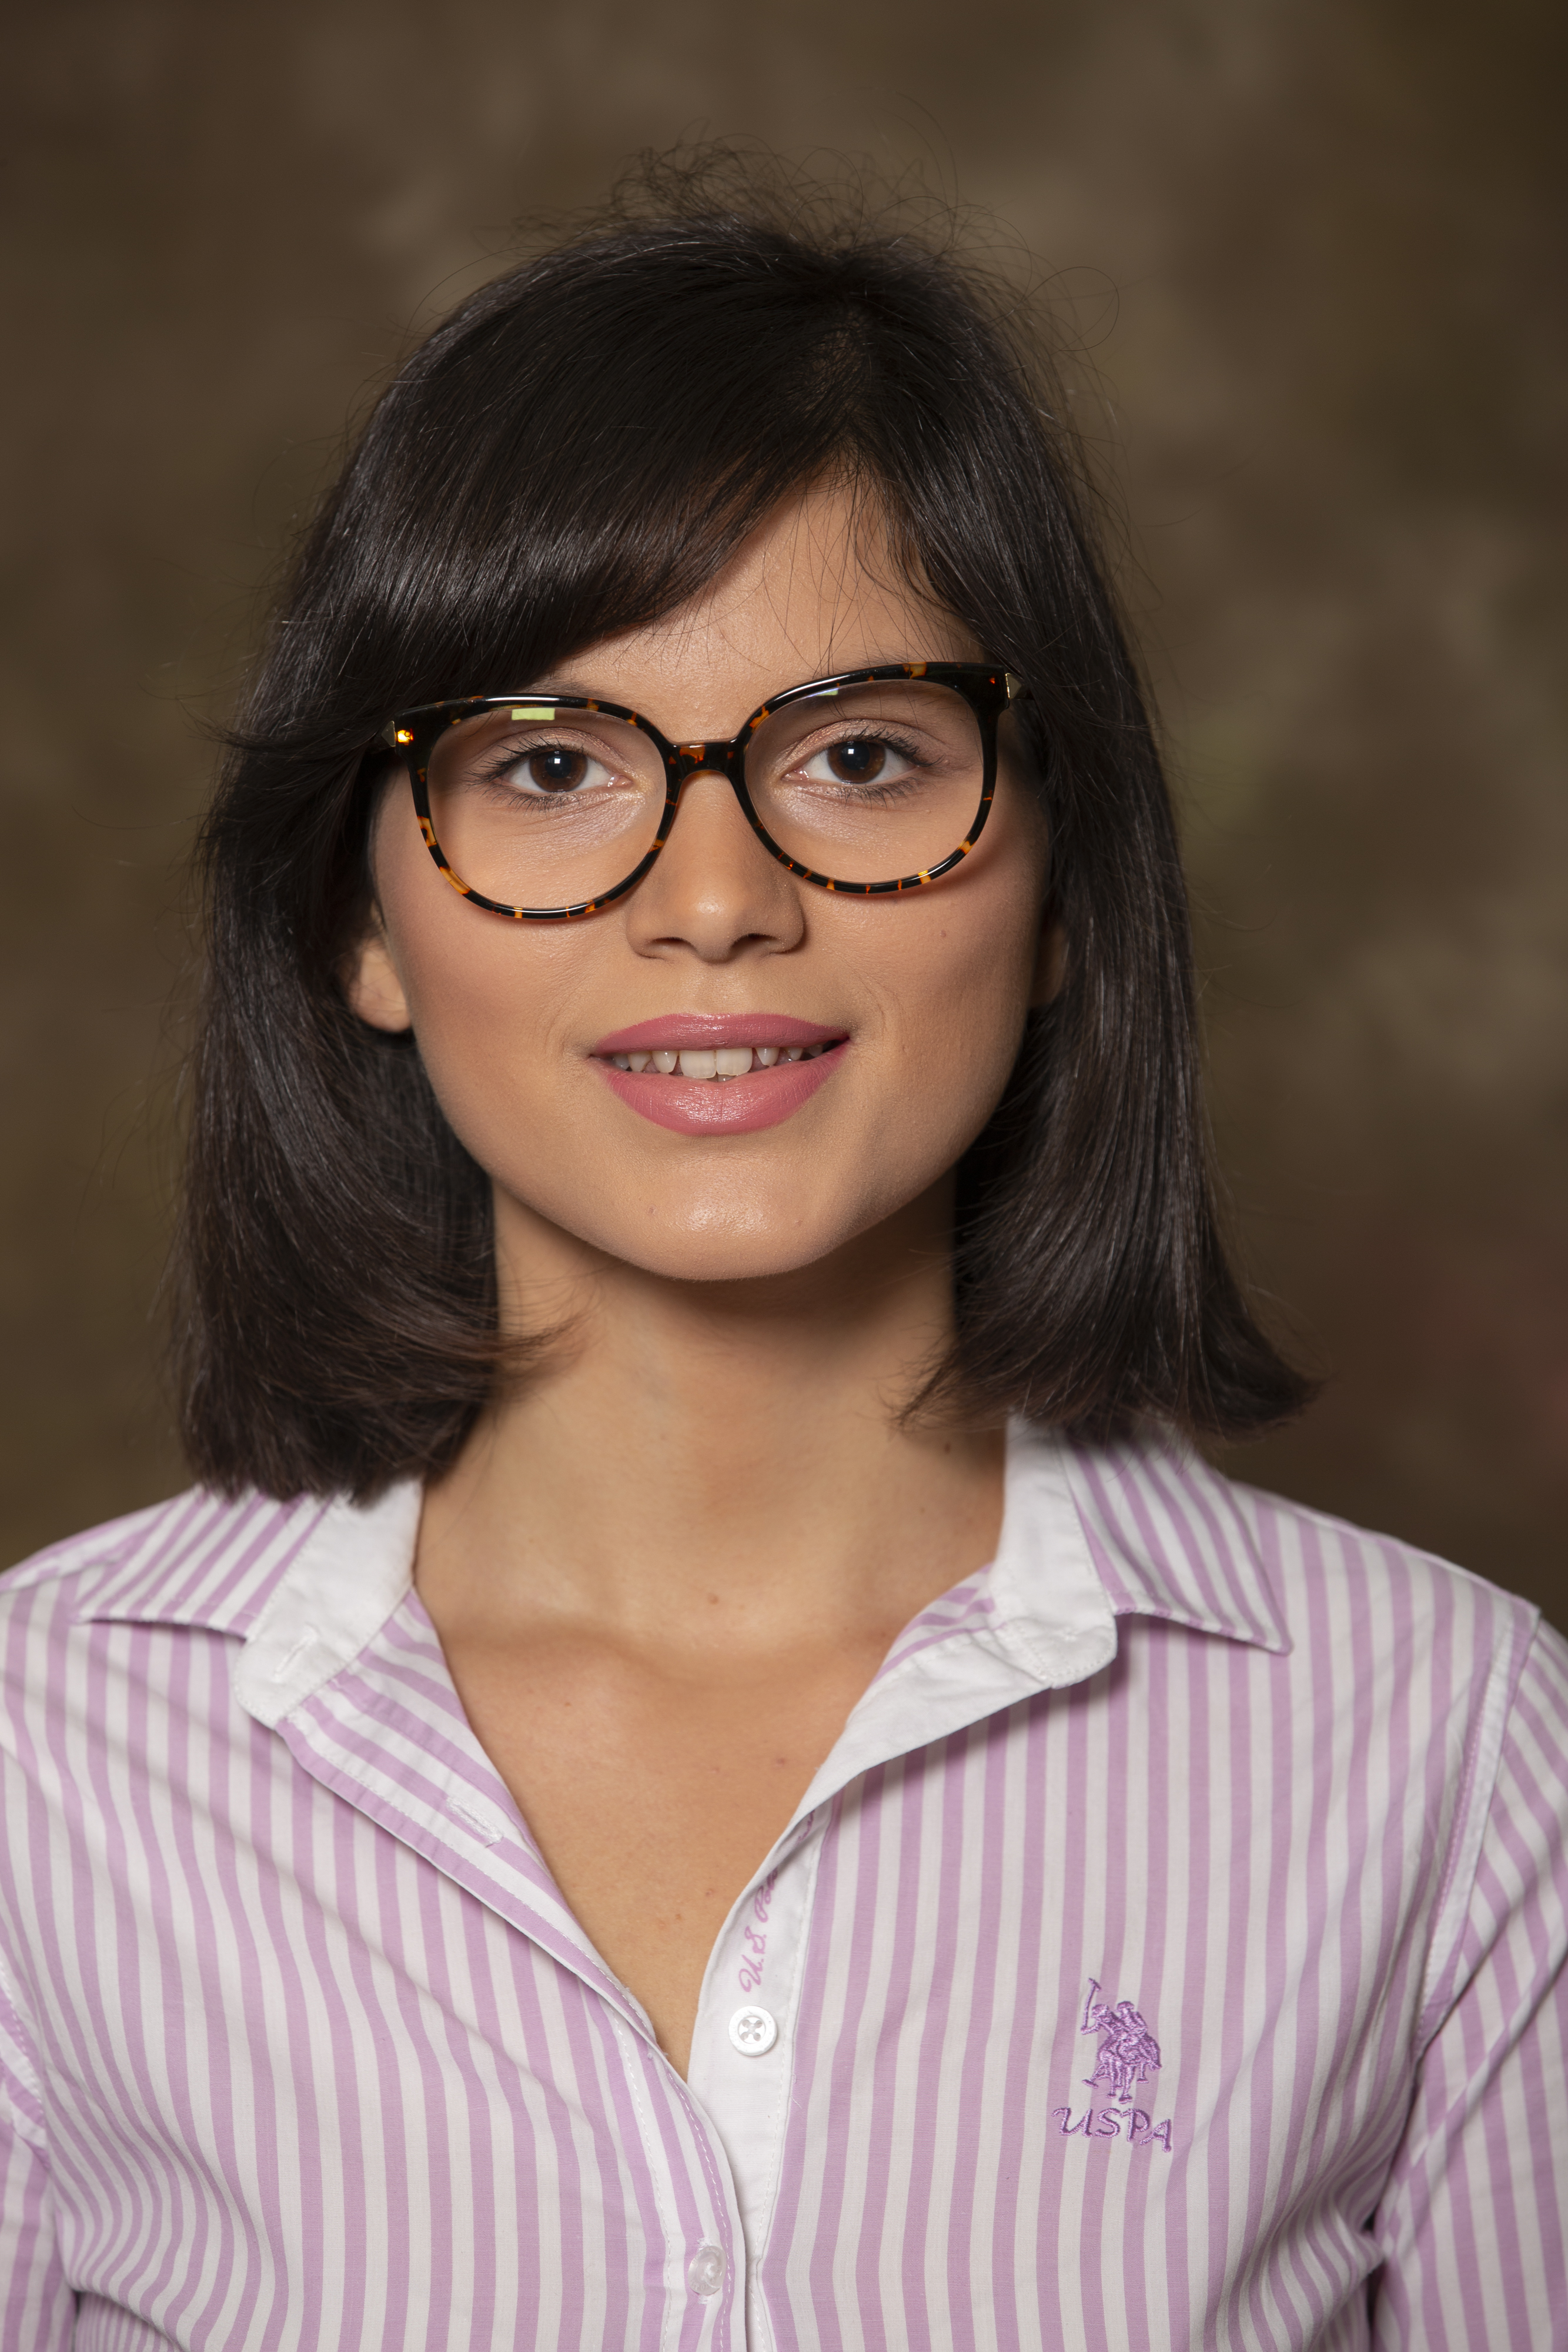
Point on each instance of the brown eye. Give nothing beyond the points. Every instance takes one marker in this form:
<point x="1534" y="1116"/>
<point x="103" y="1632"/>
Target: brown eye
<point x="858" y="762"/>
<point x="557" y="768"/>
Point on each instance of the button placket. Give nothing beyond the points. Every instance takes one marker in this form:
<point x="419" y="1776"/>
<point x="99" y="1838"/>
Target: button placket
<point x="742" y="2051"/>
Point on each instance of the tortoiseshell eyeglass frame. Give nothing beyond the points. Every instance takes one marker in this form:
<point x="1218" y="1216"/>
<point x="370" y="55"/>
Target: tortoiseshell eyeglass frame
<point x="985" y="689"/>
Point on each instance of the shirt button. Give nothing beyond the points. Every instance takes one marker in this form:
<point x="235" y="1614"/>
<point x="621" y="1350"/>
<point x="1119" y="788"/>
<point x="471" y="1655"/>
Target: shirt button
<point x="705" y="2272"/>
<point x="753" y="2032"/>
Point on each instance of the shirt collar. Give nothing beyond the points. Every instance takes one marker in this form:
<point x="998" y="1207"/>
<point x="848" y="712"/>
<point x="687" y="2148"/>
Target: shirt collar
<point x="1090" y="1533"/>
<point x="1170" y="1537"/>
<point x="306" y="1584"/>
<point x="201" y="1560"/>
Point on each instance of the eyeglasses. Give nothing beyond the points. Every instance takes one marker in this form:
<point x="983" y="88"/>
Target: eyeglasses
<point x="548" y="807"/>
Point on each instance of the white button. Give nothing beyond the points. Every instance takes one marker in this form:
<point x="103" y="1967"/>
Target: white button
<point x="705" y="2272"/>
<point x="753" y="2032"/>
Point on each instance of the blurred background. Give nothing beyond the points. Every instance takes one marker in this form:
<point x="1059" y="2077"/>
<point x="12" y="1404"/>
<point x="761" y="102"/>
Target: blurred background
<point x="1312" y="256"/>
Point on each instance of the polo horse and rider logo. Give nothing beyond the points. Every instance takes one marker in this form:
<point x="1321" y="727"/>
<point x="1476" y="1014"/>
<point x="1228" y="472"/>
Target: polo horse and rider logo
<point x="1129" y="2054"/>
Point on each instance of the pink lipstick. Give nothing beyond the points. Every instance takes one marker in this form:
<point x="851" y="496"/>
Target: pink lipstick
<point x="675" y="1030"/>
<point x="720" y="1074"/>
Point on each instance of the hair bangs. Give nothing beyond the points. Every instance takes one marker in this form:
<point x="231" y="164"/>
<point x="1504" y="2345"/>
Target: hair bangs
<point x="576" y="461"/>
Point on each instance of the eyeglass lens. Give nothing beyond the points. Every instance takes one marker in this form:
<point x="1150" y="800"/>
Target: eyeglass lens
<point x="539" y="807"/>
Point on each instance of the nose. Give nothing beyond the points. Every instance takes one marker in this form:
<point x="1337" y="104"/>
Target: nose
<point x="713" y="891"/>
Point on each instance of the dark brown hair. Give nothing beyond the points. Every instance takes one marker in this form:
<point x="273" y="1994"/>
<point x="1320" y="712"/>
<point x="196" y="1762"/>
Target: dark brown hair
<point x="581" y="447"/>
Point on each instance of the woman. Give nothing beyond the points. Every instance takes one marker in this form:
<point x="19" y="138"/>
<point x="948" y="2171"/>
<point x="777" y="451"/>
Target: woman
<point x="705" y="1766"/>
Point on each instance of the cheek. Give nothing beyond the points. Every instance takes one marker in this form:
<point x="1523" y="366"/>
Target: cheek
<point x="962" y="1007"/>
<point x="952" y="995"/>
<point x="964" y="965"/>
<point x="485" y="995"/>
<point x="487" y="1023"/>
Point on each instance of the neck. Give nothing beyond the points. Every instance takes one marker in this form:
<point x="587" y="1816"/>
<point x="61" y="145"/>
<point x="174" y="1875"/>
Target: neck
<point x="717" y="1452"/>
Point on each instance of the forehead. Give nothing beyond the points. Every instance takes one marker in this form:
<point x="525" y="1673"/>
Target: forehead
<point x="816" y="588"/>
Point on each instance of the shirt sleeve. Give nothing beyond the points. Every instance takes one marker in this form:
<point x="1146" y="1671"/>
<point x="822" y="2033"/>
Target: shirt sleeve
<point x="37" y="2308"/>
<point x="1474" y="2218"/>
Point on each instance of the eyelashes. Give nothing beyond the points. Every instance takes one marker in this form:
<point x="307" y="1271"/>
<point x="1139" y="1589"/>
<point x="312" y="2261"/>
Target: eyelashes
<point x="504" y="767"/>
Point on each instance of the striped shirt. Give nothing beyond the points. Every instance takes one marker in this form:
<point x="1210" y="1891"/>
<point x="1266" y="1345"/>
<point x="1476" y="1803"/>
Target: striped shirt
<point x="1170" y="1952"/>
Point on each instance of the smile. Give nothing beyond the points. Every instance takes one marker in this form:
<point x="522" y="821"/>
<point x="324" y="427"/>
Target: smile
<point x="727" y="1074"/>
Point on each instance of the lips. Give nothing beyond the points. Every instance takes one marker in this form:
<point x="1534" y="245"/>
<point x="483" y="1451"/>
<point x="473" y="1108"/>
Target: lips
<point x="720" y="1074"/>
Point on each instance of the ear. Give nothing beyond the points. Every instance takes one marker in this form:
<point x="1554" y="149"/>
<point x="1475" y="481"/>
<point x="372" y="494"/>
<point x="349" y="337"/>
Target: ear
<point x="372" y="985"/>
<point x="1049" y="962"/>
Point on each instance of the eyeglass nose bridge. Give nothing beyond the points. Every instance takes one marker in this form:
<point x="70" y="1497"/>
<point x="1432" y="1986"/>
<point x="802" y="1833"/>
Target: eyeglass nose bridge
<point x="714" y="759"/>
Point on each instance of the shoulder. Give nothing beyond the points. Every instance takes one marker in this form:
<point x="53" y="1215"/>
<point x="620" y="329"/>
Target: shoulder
<point x="1425" y="1668"/>
<point x="99" y="1549"/>
<point x="1337" y="1580"/>
<point x="1364" y="1619"/>
<point x="115" y="1663"/>
<point x="1389" y="1691"/>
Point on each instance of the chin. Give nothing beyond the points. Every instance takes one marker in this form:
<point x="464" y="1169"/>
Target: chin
<point x="689" y="1239"/>
<point x="677" y="1255"/>
<point x="735" y="1263"/>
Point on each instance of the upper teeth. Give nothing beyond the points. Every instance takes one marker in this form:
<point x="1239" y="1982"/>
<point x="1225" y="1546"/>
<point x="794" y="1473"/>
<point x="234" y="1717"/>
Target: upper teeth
<point x="718" y="1061"/>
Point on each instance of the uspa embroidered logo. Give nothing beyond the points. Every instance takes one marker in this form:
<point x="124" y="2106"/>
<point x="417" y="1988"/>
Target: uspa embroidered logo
<point x="1128" y="2055"/>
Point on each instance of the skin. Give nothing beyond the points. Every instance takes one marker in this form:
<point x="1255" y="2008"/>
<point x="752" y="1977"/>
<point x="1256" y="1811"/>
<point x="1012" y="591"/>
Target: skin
<point x="664" y="1569"/>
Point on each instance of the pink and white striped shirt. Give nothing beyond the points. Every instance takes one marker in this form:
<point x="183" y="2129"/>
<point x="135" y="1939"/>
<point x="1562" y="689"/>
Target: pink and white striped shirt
<point x="1169" y="1953"/>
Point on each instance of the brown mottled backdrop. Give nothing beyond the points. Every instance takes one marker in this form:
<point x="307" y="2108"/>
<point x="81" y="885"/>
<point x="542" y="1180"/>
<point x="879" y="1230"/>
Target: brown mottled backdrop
<point x="1316" y="251"/>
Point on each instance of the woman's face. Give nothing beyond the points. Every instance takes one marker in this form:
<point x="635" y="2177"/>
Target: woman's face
<point x="918" y="998"/>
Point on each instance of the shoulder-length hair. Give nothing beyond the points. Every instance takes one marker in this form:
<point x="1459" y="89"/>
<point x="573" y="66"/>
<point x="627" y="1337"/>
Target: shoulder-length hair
<point x="578" y="449"/>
